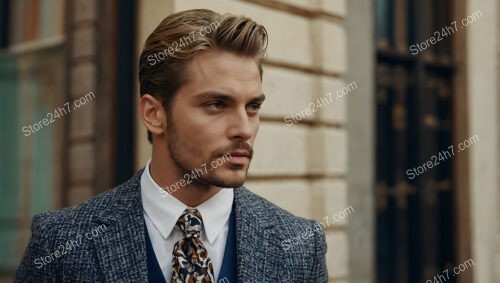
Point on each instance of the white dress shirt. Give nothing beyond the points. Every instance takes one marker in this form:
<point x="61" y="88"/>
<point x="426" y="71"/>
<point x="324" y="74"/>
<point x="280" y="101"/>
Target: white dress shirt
<point x="161" y="212"/>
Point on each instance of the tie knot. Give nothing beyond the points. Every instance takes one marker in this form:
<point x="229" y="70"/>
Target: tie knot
<point x="190" y="223"/>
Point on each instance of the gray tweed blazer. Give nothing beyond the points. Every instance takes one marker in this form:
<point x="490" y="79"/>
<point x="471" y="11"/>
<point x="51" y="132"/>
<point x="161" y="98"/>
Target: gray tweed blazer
<point x="103" y="240"/>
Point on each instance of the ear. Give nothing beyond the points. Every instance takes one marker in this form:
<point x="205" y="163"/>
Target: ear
<point x="153" y="115"/>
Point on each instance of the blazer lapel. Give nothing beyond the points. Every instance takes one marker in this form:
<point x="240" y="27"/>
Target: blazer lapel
<point x="121" y="248"/>
<point x="260" y="257"/>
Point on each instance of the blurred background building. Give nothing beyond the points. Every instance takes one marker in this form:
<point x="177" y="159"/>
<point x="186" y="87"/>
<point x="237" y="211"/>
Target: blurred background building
<point x="411" y="143"/>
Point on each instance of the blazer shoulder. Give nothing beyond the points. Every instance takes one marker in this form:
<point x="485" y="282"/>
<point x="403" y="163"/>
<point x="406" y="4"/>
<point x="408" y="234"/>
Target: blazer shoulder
<point x="268" y="211"/>
<point x="85" y="213"/>
<point x="61" y="232"/>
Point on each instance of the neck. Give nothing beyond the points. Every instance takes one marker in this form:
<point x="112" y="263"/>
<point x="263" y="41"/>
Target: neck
<point x="166" y="174"/>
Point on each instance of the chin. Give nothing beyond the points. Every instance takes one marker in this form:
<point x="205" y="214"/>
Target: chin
<point x="227" y="180"/>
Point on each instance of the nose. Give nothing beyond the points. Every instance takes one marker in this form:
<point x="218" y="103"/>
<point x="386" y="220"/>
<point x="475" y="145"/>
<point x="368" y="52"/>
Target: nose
<point x="241" y="126"/>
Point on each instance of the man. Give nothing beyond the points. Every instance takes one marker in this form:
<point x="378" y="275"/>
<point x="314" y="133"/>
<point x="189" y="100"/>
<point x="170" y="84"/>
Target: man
<point x="185" y="217"/>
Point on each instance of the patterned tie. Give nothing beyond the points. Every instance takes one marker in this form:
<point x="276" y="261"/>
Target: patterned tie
<point x="190" y="261"/>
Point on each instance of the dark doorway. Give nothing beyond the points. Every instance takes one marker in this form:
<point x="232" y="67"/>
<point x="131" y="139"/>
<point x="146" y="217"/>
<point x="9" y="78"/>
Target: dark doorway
<point x="414" y="96"/>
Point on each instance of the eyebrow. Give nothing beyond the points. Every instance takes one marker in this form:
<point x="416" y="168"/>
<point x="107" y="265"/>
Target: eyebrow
<point x="226" y="97"/>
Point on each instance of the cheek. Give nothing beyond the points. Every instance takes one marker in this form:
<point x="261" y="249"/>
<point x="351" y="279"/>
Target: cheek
<point x="190" y="123"/>
<point x="201" y="132"/>
<point x="197" y="134"/>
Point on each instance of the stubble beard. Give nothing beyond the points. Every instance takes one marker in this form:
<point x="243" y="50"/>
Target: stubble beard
<point x="182" y="157"/>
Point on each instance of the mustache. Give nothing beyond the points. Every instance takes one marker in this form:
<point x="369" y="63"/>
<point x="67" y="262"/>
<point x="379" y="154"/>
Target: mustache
<point x="241" y="146"/>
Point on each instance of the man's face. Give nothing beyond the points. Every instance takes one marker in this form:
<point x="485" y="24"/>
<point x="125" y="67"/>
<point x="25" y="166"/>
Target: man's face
<point x="216" y="112"/>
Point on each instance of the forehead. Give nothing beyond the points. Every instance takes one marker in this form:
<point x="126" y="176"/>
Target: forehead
<point x="223" y="71"/>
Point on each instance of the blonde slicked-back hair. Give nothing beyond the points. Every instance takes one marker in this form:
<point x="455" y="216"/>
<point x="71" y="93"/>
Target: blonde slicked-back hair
<point x="180" y="36"/>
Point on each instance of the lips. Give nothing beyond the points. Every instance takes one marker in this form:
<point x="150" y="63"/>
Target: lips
<point x="239" y="157"/>
<point x="240" y="153"/>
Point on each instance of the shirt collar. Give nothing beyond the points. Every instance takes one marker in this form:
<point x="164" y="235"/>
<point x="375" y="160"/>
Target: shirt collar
<point x="164" y="209"/>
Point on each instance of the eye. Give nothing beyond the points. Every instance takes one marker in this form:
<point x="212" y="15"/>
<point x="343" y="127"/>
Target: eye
<point x="254" y="107"/>
<point x="215" y="105"/>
